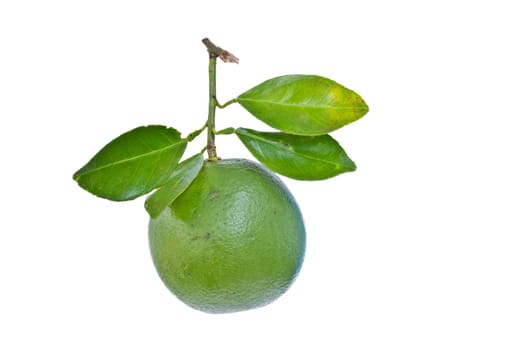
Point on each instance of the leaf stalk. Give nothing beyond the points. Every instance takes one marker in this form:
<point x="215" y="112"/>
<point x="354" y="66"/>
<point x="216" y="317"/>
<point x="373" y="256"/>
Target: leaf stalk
<point x="232" y="101"/>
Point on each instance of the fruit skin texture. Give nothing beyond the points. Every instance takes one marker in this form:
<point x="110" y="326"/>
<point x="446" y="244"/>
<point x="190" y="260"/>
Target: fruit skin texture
<point x="233" y="241"/>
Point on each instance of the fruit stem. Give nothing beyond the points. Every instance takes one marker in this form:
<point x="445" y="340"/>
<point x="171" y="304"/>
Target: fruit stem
<point x="212" y="151"/>
<point x="214" y="52"/>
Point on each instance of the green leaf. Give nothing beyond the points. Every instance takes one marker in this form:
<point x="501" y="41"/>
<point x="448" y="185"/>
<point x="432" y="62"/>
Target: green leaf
<point x="303" y="104"/>
<point x="296" y="156"/>
<point x="182" y="177"/>
<point x="133" y="164"/>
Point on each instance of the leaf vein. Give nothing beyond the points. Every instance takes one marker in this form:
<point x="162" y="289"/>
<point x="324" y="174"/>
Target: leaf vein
<point x="354" y="108"/>
<point x="131" y="159"/>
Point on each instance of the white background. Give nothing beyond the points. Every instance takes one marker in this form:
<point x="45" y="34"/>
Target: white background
<point x="421" y="248"/>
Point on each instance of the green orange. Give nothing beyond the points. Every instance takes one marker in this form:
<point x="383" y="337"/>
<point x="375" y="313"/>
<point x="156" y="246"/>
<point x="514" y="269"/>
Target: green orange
<point x="233" y="241"/>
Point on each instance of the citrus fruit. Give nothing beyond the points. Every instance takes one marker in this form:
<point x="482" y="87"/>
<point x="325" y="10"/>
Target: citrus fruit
<point x="233" y="241"/>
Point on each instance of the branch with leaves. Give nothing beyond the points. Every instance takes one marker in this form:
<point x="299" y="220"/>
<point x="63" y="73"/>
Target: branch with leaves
<point x="304" y="109"/>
